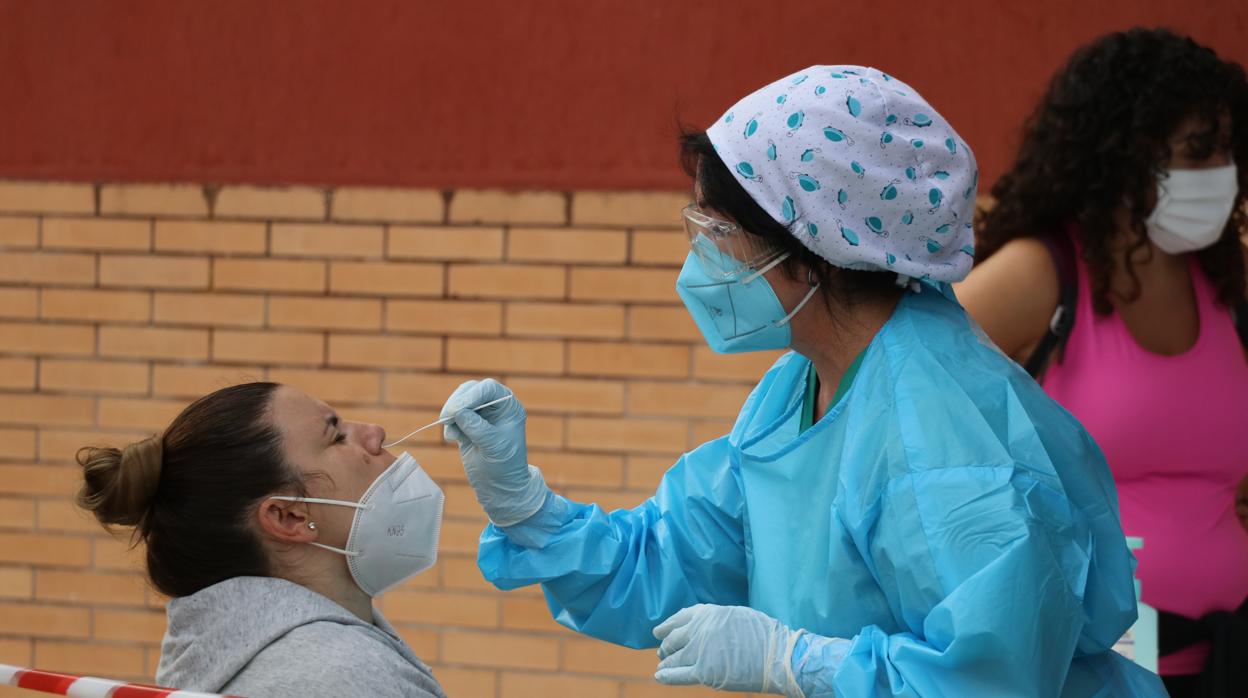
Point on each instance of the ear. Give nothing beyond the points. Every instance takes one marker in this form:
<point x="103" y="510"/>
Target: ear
<point x="285" y="521"/>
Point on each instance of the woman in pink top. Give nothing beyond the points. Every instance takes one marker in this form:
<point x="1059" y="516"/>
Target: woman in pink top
<point x="1130" y="163"/>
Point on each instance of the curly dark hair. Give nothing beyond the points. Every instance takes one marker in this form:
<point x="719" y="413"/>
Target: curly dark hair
<point x="1099" y="139"/>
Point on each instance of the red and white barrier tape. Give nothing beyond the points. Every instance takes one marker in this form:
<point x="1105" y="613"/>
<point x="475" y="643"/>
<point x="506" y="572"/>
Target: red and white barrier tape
<point x="86" y="686"/>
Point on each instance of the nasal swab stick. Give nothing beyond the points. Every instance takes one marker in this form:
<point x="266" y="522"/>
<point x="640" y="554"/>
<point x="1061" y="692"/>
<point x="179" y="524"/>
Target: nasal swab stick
<point x="444" y="420"/>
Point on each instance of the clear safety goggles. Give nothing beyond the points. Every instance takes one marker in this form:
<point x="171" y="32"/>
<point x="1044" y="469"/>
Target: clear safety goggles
<point x="725" y="251"/>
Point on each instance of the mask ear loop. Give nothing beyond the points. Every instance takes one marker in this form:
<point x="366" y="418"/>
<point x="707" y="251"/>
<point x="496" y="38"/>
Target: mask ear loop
<point x="909" y="283"/>
<point x="444" y="420"/>
<point x="766" y="268"/>
<point x="317" y="500"/>
<point x="337" y="502"/>
<point x="809" y="294"/>
<point x="340" y="551"/>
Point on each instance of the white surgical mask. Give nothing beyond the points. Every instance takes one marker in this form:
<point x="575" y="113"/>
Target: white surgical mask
<point x="394" y="535"/>
<point x="1192" y="208"/>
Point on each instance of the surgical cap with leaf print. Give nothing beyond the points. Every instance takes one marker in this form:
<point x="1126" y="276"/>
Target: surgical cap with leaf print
<point x="860" y="167"/>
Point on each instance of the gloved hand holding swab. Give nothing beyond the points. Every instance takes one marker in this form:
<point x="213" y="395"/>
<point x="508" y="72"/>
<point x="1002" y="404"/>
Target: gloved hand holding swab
<point x="492" y="447"/>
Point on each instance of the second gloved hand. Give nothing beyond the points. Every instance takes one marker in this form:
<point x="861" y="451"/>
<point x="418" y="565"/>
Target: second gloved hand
<point x="492" y="447"/>
<point x="730" y="648"/>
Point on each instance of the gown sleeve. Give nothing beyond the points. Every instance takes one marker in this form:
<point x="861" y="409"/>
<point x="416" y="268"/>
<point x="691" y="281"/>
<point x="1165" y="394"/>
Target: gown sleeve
<point x="617" y="575"/>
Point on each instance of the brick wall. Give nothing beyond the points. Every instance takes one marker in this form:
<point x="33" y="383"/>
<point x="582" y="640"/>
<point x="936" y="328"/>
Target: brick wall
<point x="120" y="303"/>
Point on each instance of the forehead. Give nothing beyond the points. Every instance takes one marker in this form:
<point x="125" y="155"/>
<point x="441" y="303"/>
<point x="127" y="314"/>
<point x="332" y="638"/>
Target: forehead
<point x="295" y="412"/>
<point x="1197" y="125"/>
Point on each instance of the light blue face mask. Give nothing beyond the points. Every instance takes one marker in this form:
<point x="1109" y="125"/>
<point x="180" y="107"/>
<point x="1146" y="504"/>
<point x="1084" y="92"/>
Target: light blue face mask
<point x="739" y="315"/>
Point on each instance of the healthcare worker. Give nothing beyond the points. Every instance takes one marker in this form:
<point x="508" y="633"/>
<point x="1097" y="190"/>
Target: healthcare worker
<point x="899" y="510"/>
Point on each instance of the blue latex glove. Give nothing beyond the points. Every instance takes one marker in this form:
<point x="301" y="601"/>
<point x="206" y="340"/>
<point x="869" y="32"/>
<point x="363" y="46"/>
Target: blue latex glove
<point x="731" y="648"/>
<point x="492" y="447"/>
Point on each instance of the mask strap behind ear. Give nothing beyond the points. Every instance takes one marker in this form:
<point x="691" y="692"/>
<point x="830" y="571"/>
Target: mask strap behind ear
<point x="340" y="551"/>
<point x="315" y="500"/>
<point x="766" y="268"/>
<point x="809" y="294"/>
<point x="909" y="283"/>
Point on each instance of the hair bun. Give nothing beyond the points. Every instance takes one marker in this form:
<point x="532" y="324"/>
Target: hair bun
<point x="120" y="485"/>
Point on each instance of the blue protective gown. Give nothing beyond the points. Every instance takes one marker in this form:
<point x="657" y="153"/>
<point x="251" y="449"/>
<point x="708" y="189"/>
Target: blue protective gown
<point x="947" y="517"/>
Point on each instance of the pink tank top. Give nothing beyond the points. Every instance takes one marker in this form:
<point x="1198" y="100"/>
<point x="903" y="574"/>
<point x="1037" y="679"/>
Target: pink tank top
<point x="1175" y="432"/>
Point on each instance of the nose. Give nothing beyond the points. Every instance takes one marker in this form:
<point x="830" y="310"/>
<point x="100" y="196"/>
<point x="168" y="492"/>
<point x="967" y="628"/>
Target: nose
<point x="372" y="436"/>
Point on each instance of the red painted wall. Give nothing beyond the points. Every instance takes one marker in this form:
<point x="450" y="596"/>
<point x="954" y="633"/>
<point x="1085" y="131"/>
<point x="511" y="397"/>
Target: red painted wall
<point x="537" y="93"/>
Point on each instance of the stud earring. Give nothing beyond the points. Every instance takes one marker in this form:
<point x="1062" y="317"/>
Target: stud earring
<point x="312" y="525"/>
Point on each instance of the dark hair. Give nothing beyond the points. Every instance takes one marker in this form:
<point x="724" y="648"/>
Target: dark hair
<point x="722" y="192"/>
<point x="1100" y="137"/>
<point x="189" y="493"/>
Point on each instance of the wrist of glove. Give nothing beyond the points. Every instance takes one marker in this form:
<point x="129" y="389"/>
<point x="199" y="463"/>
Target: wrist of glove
<point x="729" y="648"/>
<point x="514" y="501"/>
<point x="815" y="662"/>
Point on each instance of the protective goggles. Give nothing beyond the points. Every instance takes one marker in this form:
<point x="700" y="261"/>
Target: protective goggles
<point x="724" y="250"/>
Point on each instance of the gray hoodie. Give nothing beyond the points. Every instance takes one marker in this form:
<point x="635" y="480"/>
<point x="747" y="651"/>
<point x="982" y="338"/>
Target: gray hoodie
<point x="261" y="637"/>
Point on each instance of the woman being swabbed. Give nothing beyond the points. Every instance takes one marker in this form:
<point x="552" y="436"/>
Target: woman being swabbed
<point x="272" y="523"/>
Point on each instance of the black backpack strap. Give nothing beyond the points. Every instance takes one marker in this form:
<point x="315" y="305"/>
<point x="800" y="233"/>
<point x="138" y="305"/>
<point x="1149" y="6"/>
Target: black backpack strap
<point x="1063" y="321"/>
<point x="1239" y="314"/>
